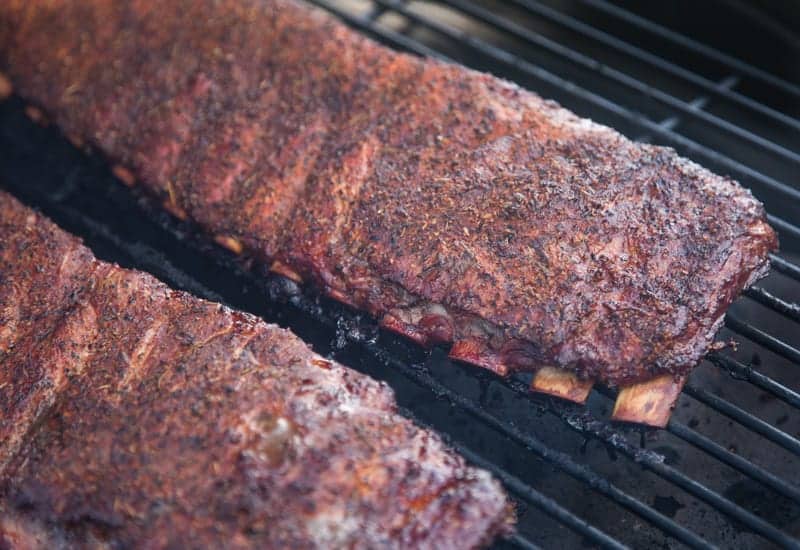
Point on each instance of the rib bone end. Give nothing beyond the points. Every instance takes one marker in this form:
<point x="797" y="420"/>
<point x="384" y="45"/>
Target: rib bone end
<point x="36" y="115"/>
<point x="175" y="210"/>
<point x="561" y="383"/>
<point x="232" y="244"/>
<point x="282" y="269"/>
<point x="124" y="175"/>
<point x="6" y="89"/>
<point x="649" y="403"/>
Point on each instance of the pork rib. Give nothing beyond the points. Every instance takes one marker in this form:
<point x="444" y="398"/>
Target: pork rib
<point x="455" y="207"/>
<point x="132" y="415"/>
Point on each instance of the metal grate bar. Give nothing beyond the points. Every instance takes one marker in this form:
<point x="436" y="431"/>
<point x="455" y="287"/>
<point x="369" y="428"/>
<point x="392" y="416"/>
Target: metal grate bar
<point x="655" y="464"/>
<point x="613" y="74"/>
<point x="368" y="25"/>
<point x="525" y="492"/>
<point x="722" y="454"/>
<point x="785" y="267"/>
<point x="544" y="503"/>
<point x="762" y="338"/>
<point x="702" y="492"/>
<point x="734" y="461"/>
<point x="791" y="310"/>
<point x="528" y="493"/>
<point x="577" y="91"/>
<point x="742" y="465"/>
<point x="521" y="542"/>
<point x="709" y="86"/>
<point x="695" y="46"/>
<point x="698" y="103"/>
<point x="784" y="226"/>
<point x="749" y="374"/>
<point x="744" y="418"/>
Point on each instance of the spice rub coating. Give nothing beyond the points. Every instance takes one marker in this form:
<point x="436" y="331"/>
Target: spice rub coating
<point x="134" y="415"/>
<point x="455" y="207"/>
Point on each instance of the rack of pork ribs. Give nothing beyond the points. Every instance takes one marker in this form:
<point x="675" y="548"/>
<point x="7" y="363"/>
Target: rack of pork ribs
<point x="455" y="207"/>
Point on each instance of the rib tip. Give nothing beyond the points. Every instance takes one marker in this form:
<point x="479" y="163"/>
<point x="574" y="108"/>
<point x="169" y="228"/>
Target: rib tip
<point x="36" y="115"/>
<point x="649" y="403"/>
<point x="476" y="351"/>
<point x="6" y="88"/>
<point x="284" y="270"/>
<point x="175" y="210"/>
<point x="123" y="174"/>
<point x="75" y="140"/>
<point x="562" y="384"/>
<point x="231" y="243"/>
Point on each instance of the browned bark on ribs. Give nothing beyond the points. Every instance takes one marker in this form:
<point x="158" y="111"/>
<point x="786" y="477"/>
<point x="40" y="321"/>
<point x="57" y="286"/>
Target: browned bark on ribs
<point x="454" y="206"/>
<point x="132" y="415"/>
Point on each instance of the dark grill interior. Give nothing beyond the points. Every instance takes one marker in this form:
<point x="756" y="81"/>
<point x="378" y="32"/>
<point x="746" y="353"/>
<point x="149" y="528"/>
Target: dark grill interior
<point x="725" y="471"/>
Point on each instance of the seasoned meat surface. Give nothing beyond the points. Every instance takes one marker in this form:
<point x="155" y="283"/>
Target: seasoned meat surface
<point x="455" y="207"/>
<point x="132" y="415"/>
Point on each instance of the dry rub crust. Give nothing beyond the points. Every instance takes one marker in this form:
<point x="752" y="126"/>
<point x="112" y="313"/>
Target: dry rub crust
<point x="132" y="415"/>
<point x="452" y="205"/>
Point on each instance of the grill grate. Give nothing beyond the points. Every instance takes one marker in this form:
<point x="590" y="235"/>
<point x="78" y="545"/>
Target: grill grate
<point x="607" y="485"/>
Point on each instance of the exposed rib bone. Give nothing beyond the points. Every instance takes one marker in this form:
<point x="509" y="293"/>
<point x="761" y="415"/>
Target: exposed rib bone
<point x="36" y="115"/>
<point x="6" y="89"/>
<point x="232" y="244"/>
<point x="175" y="210"/>
<point x="561" y="383"/>
<point x="124" y="175"/>
<point x="649" y="402"/>
<point x="282" y="269"/>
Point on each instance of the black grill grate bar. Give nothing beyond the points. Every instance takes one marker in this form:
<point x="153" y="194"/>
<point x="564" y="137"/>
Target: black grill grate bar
<point x="734" y="461"/>
<point x="654" y="462"/>
<point x="784" y="266"/>
<point x="722" y="454"/>
<point x="708" y="86"/>
<point x="697" y="47"/>
<point x="368" y="25"/>
<point x="543" y="502"/>
<point x="700" y="491"/>
<point x="521" y="542"/>
<point x="762" y="338"/>
<point x="529" y="494"/>
<point x="744" y="418"/>
<point x="747" y="373"/>
<point x="571" y="88"/>
<point x="790" y="310"/>
<point x="610" y="73"/>
<point x="784" y="226"/>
